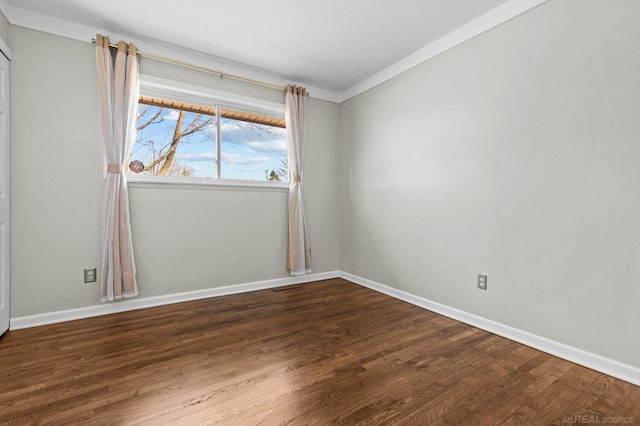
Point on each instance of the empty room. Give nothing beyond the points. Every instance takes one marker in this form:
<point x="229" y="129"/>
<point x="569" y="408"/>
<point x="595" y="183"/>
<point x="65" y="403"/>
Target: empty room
<point x="310" y="213"/>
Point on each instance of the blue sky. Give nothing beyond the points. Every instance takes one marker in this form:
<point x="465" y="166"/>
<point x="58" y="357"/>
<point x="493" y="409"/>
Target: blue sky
<point x="247" y="149"/>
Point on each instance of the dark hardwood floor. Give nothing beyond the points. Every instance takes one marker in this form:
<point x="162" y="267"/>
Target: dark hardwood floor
<point x="330" y="352"/>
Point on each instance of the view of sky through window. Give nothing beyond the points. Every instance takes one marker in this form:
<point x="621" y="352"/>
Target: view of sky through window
<point x="172" y="142"/>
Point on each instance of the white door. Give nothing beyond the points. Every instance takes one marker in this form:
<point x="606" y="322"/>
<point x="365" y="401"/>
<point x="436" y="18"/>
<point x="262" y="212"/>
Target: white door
<point x="4" y="194"/>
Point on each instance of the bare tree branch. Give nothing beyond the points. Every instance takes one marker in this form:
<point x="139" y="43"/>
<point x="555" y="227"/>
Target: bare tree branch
<point x="151" y="120"/>
<point x="177" y="136"/>
<point x="194" y="126"/>
<point x="156" y="161"/>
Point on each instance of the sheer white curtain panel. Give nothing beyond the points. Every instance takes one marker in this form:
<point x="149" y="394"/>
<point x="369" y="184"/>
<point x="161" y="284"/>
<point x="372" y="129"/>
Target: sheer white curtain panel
<point x="298" y="252"/>
<point x="118" y="92"/>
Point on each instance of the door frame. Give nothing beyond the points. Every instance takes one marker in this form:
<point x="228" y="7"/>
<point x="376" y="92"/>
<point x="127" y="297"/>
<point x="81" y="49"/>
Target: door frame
<point x="5" y="189"/>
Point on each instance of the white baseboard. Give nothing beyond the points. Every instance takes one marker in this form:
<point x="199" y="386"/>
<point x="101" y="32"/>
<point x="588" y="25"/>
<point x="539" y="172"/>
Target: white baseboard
<point x="596" y="362"/>
<point x="125" y="305"/>
<point x="622" y="371"/>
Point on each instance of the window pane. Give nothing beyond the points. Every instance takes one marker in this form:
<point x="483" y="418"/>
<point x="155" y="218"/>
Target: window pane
<point x="252" y="151"/>
<point x="172" y="142"/>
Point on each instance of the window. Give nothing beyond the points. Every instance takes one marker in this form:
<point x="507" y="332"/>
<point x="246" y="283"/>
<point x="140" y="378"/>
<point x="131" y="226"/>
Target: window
<point x="208" y="141"/>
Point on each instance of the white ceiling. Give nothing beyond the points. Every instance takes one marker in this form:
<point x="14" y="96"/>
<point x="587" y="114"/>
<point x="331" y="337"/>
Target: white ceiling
<point x="331" y="45"/>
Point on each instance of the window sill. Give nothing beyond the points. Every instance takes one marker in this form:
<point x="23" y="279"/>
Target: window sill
<point x="170" y="182"/>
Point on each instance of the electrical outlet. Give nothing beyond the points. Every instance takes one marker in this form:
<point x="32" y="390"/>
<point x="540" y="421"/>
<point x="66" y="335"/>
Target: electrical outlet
<point x="482" y="281"/>
<point x="90" y="275"/>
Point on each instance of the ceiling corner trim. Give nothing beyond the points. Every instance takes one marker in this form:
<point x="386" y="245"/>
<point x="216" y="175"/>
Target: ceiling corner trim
<point x="509" y="10"/>
<point x="71" y="30"/>
<point x="49" y="24"/>
<point x="5" y="8"/>
<point x="489" y="20"/>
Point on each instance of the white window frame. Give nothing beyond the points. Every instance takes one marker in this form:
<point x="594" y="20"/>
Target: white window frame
<point x="187" y="93"/>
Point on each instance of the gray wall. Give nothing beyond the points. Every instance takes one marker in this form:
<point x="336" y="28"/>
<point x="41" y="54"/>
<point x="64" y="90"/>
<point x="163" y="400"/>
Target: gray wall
<point x="184" y="239"/>
<point x="515" y="154"/>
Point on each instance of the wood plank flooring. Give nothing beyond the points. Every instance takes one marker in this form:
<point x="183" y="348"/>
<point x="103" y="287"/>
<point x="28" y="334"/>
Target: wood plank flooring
<point x="329" y="352"/>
